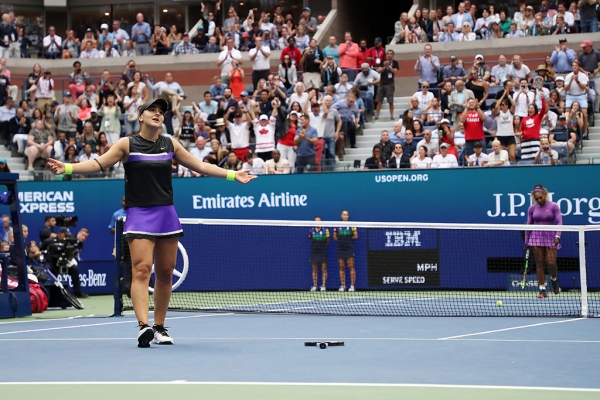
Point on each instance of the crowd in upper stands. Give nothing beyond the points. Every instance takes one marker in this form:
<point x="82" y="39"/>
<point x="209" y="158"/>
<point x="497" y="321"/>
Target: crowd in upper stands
<point x="209" y="37"/>
<point x="471" y="21"/>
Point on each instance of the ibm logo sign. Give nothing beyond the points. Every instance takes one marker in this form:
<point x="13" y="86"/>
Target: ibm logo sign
<point x="402" y="239"/>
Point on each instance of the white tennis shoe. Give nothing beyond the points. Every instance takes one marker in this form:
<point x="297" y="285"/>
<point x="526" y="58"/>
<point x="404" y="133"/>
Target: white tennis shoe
<point x="161" y="336"/>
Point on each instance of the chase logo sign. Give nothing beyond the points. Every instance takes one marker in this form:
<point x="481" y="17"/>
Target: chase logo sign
<point x="49" y="202"/>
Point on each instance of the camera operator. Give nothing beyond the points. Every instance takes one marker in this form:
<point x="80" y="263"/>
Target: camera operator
<point x="60" y="253"/>
<point x="48" y="230"/>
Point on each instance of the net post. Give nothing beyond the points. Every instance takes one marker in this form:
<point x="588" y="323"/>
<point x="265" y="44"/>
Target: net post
<point x="583" y="273"/>
<point x="117" y="286"/>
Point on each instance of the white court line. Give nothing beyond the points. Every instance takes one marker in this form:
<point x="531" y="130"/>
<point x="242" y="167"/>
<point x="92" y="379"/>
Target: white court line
<point x="106" y="323"/>
<point x="126" y="313"/>
<point x="335" y="384"/>
<point x="513" y="328"/>
<point x="310" y="339"/>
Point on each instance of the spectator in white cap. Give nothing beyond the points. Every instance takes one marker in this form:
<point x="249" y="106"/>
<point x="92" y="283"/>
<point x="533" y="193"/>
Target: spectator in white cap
<point x="444" y="159"/>
<point x="105" y="35"/>
<point x="483" y="71"/>
<point x="264" y="130"/>
<point x="559" y="86"/>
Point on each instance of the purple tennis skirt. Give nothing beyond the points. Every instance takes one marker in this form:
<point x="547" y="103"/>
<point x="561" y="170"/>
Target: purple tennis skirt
<point x="160" y="222"/>
<point x="542" y="239"/>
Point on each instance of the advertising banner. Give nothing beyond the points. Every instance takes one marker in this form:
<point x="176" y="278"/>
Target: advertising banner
<point x="470" y="195"/>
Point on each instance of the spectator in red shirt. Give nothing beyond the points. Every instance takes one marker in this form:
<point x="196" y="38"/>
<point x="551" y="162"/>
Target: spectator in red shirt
<point x="361" y="57"/>
<point x="376" y="54"/>
<point x="292" y="51"/>
<point x="348" y="52"/>
<point x="530" y="131"/>
<point x="472" y="119"/>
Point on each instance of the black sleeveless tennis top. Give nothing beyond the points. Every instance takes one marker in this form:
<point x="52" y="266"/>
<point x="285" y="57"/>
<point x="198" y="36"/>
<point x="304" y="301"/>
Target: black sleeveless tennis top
<point x="148" y="172"/>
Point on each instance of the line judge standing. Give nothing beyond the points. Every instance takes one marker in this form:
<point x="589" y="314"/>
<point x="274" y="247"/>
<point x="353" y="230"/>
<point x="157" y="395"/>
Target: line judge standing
<point x="152" y="228"/>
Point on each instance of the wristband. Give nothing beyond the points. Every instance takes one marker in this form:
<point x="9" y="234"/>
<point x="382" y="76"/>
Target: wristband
<point x="68" y="169"/>
<point x="230" y="175"/>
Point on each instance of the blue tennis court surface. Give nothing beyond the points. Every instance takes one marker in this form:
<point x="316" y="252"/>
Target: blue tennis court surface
<point x="533" y="353"/>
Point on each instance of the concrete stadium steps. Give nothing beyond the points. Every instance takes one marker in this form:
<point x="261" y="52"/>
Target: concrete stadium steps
<point x="15" y="164"/>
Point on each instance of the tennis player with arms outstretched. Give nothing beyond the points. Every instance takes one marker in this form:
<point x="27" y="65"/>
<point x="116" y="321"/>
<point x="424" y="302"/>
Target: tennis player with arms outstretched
<point x="345" y="238"/>
<point x="319" y="239"/>
<point x="545" y="244"/>
<point x="152" y="227"/>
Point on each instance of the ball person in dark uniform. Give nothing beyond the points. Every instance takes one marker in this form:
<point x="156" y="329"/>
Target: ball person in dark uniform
<point x="319" y="239"/>
<point x="345" y="238"/>
<point x="152" y="227"/>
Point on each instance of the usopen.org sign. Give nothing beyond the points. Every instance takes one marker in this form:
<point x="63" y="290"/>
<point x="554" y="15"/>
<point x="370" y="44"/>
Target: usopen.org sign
<point x="47" y="202"/>
<point x="402" y="238"/>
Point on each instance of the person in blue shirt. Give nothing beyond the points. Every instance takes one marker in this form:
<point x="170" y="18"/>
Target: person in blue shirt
<point x="119" y="213"/>
<point x="562" y="57"/>
<point x="140" y="35"/>
<point x="345" y="238"/>
<point x="217" y="89"/>
<point x="319" y="239"/>
<point x="306" y="138"/>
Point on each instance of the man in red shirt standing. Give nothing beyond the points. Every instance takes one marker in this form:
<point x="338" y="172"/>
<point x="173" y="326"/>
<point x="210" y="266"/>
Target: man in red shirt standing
<point x="472" y="119"/>
<point x="376" y="54"/>
<point x="292" y="51"/>
<point x="362" y="53"/>
<point x="348" y="52"/>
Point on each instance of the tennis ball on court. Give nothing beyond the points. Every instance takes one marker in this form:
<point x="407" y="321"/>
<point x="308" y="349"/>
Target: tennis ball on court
<point x="499" y="303"/>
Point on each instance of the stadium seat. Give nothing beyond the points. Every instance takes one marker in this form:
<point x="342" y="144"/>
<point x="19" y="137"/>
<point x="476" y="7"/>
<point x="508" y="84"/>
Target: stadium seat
<point x="493" y="90"/>
<point x="562" y="151"/>
<point x="526" y="162"/>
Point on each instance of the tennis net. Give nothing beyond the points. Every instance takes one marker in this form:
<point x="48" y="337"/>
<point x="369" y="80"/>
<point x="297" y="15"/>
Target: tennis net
<point x="413" y="269"/>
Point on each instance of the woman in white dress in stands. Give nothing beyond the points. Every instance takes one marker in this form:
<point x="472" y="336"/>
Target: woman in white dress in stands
<point x="420" y="160"/>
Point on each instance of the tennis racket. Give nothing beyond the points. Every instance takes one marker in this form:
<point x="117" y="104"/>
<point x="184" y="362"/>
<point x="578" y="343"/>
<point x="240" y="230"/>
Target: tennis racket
<point x="525" y="271"/>
<point x="323" y="345"/>
<point x="71" y="298"/>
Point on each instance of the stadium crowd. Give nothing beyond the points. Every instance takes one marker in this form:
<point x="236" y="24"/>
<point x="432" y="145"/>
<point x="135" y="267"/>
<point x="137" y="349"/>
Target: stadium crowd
<point x="493" y="115"/>
<point x="142" y="39"/>
<point x="301" y="117"/>
<point x="471" y="21"/>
